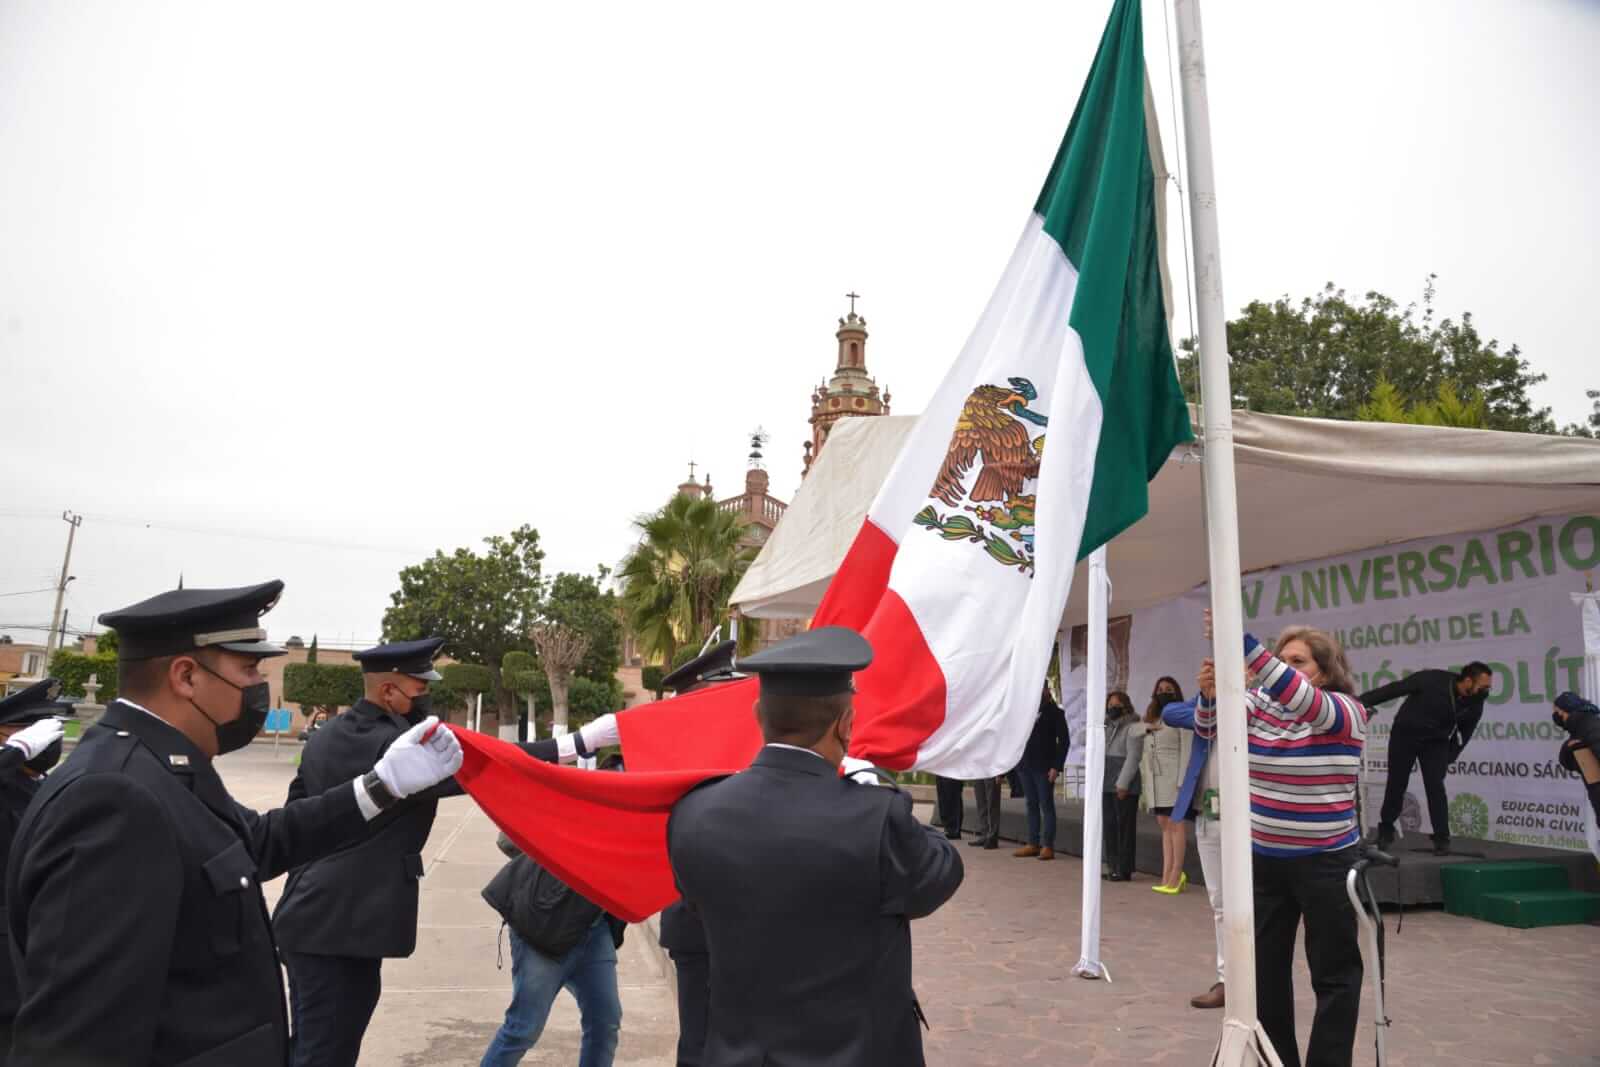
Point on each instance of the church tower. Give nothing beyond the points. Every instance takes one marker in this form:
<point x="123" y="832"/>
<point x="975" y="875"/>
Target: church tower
<point x="851" y="391"/>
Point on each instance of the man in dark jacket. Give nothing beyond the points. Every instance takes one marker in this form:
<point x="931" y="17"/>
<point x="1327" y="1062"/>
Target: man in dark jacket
<point x="1042" y="761"/>
<point x="1433" y="726"/>
<point x="558" y="940"/>
<point x="807" y="882"/>
<point x="179" y="966"/>
<point x="340" y="917"/>
<point x="1581" y="753"/>
<point x="31" y="732"/>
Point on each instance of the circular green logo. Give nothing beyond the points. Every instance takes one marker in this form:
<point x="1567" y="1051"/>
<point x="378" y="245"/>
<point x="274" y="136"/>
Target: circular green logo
<point x="1469" y="816"/>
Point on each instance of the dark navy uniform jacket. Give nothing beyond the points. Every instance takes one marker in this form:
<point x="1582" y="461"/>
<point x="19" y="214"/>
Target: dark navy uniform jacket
<point x="138" y="929"/>
<point x="806" y="884"/>
<point x="361" y="901"/>
<point x="16" y="790"/>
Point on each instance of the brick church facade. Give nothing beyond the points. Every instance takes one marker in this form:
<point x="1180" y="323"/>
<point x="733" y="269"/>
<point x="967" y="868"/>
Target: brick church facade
<point x="849" y="393"/>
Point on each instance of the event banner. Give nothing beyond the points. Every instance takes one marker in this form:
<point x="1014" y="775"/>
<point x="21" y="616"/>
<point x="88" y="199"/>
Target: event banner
<point x="1500" y="596"/>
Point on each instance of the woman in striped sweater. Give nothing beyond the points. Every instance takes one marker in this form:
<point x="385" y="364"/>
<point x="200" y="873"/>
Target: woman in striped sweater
<point x="1305" y="735"/>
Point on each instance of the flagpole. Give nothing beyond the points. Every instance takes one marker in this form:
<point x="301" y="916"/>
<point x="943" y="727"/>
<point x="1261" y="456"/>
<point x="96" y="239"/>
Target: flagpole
<point x="1243" y="1041"/>
<point x="1094" y="763"/>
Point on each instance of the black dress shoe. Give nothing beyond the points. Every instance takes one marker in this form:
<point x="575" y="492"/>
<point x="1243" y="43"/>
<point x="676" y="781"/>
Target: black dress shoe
<point x="977" y="842"/>
<point x="1441" y="848"/>
<point x="1115" y="876"/>
<point x="953" y="836"/>
<point x="991" y="843"/>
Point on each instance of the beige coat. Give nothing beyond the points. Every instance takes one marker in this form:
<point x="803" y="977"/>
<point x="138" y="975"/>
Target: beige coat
<point x="1161" y="764"/>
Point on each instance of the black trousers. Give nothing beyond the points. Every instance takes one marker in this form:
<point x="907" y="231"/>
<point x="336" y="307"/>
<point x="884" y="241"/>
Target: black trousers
<point x="331" y="1001"/>
<point x="948" y="792"/>
<point x="1309" y="888"/>
<point x="1119" y="832"/>
<point x="694" y="1005"/>
<point x="1434" y="756"/>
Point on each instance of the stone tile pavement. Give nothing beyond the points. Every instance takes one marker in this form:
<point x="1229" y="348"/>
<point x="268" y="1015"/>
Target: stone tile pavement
<point x="993" y="971"/>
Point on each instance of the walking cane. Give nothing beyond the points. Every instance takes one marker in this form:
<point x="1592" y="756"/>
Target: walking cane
<point x="1357" y="887"/>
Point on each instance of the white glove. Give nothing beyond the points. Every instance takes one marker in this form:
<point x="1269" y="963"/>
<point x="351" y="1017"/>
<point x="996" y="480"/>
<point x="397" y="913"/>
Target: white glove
<point x="602" y="733"/>
<point x="34" y="739"/>
<point x="861" y="771"/>
<point x="421" y="758"/>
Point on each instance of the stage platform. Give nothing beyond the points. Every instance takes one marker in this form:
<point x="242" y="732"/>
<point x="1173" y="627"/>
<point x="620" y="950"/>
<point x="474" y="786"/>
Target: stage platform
<point x="1416" y="882"/>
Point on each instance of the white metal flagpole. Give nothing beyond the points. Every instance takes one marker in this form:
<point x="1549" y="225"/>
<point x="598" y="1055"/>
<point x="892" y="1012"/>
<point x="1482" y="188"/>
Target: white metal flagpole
<point x="1243" y="1041"/>
<point x="1094" y="765"/>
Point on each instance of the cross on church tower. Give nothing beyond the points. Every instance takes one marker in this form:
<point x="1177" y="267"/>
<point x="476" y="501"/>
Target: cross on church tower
<point x="691" y="470"/>
<point x="853" y="298"/>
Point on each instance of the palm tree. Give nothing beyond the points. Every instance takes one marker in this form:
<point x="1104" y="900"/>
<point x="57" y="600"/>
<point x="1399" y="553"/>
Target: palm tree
<point x="677" y="581"/>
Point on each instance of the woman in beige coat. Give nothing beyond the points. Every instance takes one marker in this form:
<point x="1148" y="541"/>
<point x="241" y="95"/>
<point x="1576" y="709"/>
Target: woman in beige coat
<point x="1166" y="753"/>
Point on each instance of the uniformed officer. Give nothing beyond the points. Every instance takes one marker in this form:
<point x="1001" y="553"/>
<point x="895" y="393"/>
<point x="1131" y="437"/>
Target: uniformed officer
<point x="681" y="933"/>
<point x="341" y="916"/>
<point x="32" y="732"/>
<point x="806" y="882"/>
<point x="137" y="924"/>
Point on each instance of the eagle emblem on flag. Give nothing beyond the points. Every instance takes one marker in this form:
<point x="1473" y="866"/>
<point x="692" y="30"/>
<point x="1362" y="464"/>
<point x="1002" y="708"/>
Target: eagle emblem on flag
<point x="988" y="474"/>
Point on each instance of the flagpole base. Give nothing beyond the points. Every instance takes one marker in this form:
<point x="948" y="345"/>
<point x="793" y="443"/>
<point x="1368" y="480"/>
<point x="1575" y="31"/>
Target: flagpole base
<point x="1244" y="1045"/>
<point x="1092" y="969"/>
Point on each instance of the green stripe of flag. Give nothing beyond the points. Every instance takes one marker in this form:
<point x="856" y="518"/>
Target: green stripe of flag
<point x="1098" y="204"/>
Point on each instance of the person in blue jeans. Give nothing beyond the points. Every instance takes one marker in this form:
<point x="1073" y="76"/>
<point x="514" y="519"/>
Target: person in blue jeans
<point x="588" y="971"/>
<point x="559" y="940"/>
<point x="1042" y="760"/>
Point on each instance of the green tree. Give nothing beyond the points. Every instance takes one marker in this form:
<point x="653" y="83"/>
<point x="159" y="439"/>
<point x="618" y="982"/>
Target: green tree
<point x="482" y="604"/>
<point x="578" y="602"/>
<point x="520" y="673"/>
<point x="74" y="668"/>
<point x="1446" y="409"/>
<point x="461" y="682"/>
<point x="322" y="686"/>
<point x="311" y="653"/>
<point x="1590" y="427"/>
<point x="1327" y="355"/>
<point x="590" y="699"/>
<point x="677" y="580"/>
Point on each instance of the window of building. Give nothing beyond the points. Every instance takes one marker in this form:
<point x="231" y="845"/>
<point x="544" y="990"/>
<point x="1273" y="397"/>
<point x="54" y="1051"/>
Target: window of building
<point x="32" y="664"/>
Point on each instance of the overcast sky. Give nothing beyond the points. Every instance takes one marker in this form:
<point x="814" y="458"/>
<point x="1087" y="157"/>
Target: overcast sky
<point x="312" y="289"/>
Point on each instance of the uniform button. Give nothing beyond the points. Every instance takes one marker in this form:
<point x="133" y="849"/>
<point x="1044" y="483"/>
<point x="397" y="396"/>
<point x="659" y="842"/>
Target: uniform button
<point x="244" y="881"/>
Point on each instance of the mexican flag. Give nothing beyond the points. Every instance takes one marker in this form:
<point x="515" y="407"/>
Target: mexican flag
<point x="1037" y="448"/>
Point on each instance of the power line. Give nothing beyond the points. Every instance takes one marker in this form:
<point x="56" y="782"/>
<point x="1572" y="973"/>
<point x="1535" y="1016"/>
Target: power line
<point x="243" y="535"/>
<point x="31" y="592"/>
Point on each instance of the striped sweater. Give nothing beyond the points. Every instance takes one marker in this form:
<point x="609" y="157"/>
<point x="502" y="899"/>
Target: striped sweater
<point x="1305" y="758"/>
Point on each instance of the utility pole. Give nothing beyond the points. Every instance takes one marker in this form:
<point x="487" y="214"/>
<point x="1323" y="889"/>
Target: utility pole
<point x="53" y="642"/>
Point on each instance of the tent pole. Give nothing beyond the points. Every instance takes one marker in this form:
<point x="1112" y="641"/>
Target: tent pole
<point x="1094" y="763"/>
<point x="1243" y="1041"/>
<point x="1588" y="604"/>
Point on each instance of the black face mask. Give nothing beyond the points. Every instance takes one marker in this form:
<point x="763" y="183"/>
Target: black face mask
<point x="254" y="703"/>
<point x="1163" y="699"/>
<point x="46" y="759"/>
<point x="421" y="708"/>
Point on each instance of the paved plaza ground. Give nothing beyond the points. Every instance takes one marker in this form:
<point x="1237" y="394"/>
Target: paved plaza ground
<point x="993" y="971"/>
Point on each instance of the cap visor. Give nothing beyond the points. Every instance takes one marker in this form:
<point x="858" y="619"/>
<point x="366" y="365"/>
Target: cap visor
<point x="426" y="676"/>
<point x="261" y="649"/>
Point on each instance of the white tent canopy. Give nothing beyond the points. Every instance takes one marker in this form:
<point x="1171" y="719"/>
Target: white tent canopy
<point x="1308" y="488"/>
